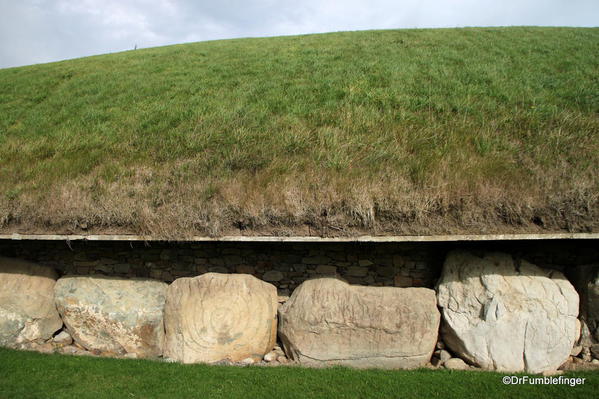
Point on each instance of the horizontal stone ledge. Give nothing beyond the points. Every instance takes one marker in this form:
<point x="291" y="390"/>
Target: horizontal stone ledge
<point x="240" y="238"/>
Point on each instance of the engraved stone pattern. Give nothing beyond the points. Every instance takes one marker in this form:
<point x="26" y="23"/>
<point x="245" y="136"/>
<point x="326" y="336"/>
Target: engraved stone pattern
<point x="216" y="316"/>
<point x="113" y="315"/>
<point x="327" y="321"/>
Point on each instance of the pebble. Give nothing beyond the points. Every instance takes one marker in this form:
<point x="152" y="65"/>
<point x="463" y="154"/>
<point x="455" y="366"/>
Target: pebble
<point x="63" y="338"/>
<point x="455" y="364"/>
<point x="444" y="356"/>
<point x="576" y="350"/>
<point x="549" y="373"/>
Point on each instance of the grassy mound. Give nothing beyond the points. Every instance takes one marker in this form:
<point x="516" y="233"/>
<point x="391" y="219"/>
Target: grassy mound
<point x="380" y="132"/>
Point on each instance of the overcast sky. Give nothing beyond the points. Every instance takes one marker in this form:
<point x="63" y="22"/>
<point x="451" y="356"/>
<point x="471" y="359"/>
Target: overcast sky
<point x="34" y="31"/>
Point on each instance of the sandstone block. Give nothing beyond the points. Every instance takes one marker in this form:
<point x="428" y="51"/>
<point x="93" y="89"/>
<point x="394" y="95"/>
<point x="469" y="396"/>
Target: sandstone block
<point x="114" y="315"/>
<point x="215" y="317"/>
<point x="504" y="315"/>
<point x="327" y="321"/>
<point x="27" y="310"/>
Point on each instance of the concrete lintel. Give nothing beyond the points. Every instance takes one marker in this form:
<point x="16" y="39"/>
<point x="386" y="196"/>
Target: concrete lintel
<point x="431" y="238"/>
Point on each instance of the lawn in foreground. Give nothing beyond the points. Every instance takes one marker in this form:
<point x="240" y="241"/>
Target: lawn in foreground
<point x="34" y="375"/>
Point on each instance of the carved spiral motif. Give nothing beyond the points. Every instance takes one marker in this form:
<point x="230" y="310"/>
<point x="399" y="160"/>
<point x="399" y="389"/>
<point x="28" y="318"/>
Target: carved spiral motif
<point x="226" y="320"/>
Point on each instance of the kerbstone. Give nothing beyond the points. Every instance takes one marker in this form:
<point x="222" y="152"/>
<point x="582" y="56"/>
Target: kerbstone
<point x="113" y="315"/>
<point x="327" y="321"/>
<point x="27" y="311"/>
<point x="216" y="317"/>
<point x="505" y="314"/>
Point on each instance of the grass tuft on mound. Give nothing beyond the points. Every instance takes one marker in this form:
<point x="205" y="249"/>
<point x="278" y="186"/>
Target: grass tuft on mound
<point x="476" y="130"/>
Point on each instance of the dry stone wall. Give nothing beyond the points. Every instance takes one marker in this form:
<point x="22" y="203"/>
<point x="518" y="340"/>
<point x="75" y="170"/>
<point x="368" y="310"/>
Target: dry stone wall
<point x="285" y="265"/>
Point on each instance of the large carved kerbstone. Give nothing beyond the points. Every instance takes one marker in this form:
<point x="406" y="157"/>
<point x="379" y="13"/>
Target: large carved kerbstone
<point x="113" y="315"/>
<point x="27" y="311"/>
<point x="327" y="321"/>
<point x="504" y="315"/>
<point x="216" y="317"/>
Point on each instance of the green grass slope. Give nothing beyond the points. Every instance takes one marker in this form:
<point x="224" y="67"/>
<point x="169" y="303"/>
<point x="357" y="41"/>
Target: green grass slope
<point x="383" y="132"/>
<point x="33" y="375"/>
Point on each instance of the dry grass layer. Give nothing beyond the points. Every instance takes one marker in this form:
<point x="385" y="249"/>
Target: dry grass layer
<point x="379" y="132"/>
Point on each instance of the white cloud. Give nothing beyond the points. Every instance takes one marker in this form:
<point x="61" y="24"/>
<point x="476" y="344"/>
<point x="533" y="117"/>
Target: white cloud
<point x="33" y="31"/>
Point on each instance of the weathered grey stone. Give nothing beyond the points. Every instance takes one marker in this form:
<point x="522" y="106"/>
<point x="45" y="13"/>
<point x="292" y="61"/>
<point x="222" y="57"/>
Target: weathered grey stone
<point x="107" y="269"/>
<point x="585" y="354"/>
<point x="316" y="260"/>
<point x="327" y="321"/>
<point x="41" y="347"/>
<point x="593" y="304"/>
<point x="245" y="269"/>
<point x="455" y="364"/>
<point x="550" y="373"/>
<point x="506" y="316"/>
<point x="233" y="260"/>
<point x="72" y="350"/>
<point x="326" y="269"/>
<point x="113" y="315"/>
<point x="63" y="338"/>
<point x="282" y="359"/>
<point x="595" y="350"/>
<point x="272" y="276"/>
<point x="122" y="268"/>
<point x="401" y="281"/>
<point x="27" y="311"/>
<point x="586" y="280"/>
<point x="386" y="271"/>
<point x="357" y="271"/>
<point x="216" y="317"/>
<point x="576" y="350"/>
<point x="444" y="356"/>
<point x="218" y="269"/>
